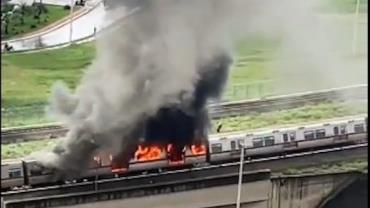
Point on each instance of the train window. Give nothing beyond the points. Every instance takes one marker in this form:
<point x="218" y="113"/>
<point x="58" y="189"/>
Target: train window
<point x="233" y="145"/>
<point x="336" y="131"/>
<point x="320" y="133"/>
<point x="216" y="147"/>
<point x="308" y="135"/>
<point x="285" y="137"/>
<point x="15" y="173"/>
<point x="292" y="136"/>
<point x="359" y="128"/>
<point x="257" y="142"/>
<point x="269" y="141"/>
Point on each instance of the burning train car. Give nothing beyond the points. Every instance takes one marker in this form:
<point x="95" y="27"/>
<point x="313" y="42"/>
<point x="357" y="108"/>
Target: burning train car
<point x="170" y="138"/>
<point x="178" y="134"/>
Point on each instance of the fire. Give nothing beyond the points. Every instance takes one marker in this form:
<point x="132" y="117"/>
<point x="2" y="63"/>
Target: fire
<point x="148" y="153"/>
<point x="198" y="149"/>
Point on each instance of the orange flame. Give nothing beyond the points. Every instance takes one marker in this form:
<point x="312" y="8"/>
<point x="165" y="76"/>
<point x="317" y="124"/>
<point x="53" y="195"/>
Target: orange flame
<point x="148" y="153"/>
<point x="198" y="149"/>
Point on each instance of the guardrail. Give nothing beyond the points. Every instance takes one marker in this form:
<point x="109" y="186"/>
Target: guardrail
<point x="217" y="111"/>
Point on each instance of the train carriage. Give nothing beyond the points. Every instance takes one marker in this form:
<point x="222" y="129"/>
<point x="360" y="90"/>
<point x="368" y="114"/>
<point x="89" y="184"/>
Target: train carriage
<point x="219" y="149"/>
<point x="12" y="174"/>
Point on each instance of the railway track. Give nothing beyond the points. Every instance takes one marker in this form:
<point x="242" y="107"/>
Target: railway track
<point x="227" y="109"/>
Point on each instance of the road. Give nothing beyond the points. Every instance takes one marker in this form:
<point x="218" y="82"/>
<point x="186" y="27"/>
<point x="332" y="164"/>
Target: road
<point x="82" y="27"/>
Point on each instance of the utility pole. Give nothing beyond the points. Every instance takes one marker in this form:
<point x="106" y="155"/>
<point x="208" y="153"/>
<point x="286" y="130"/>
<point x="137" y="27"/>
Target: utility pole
<point x="355" y="28"/>
<point x="241" y="147"/>
<point x="70" y="22"/>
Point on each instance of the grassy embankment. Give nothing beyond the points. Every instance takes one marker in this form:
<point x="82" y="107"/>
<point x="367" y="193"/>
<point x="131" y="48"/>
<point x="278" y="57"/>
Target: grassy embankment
<point x="27" y="78"/>
<point x="359" y="164"/>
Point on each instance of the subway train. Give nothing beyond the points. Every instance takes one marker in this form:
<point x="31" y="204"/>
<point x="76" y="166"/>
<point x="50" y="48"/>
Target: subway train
<point x="219" y="148"/>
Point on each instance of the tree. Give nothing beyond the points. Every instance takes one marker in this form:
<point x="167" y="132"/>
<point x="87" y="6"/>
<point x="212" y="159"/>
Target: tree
<point x="18" y="13"/>
<point x="5" y="19"/>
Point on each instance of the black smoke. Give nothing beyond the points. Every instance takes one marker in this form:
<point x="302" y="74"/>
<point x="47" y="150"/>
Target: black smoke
<point x="185" y="124"/>
<point x="181" y="125"/>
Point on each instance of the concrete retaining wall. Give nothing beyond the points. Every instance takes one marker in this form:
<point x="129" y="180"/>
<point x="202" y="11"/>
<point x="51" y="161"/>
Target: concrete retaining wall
<point x="259" y="190"/>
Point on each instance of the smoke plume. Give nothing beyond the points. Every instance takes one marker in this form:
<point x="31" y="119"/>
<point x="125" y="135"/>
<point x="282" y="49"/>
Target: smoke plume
<point x="169" y="54"/>
<point x="160" y="66"/>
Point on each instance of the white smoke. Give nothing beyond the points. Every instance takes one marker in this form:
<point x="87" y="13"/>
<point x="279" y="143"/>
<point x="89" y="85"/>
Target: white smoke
<point x="150" y="59"/>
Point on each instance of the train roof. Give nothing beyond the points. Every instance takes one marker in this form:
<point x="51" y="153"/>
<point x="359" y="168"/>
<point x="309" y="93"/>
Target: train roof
<point x="10" y="161"/>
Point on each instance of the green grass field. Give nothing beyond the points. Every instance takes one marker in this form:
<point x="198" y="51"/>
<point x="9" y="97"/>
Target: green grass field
<point x="23" y="149"/>
<point x="27" y="78"/>
<point x="360" y="164"/>
<point x="54" y="14"/>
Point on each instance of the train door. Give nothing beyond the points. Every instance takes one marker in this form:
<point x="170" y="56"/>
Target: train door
<point x="176" y="154"/>
<point x="340" y="132"/>
<point x="289" y="138"/>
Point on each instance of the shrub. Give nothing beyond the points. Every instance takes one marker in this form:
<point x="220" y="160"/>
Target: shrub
<point x="7" y="7"/>
<point x="33" y="26"/>
<point x="67" y="7"/>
